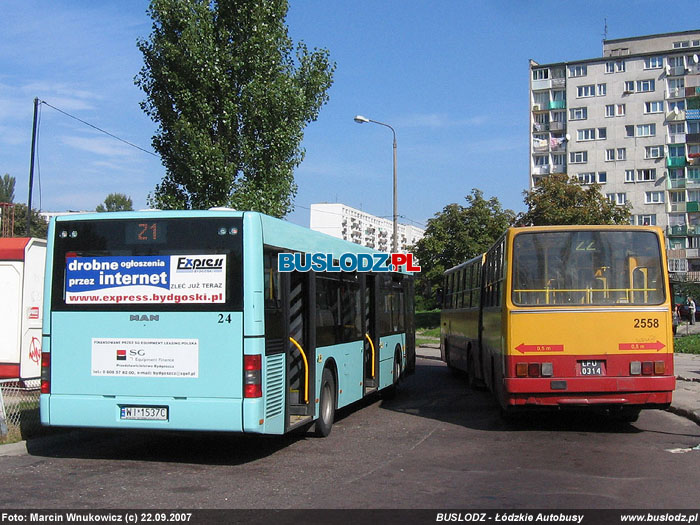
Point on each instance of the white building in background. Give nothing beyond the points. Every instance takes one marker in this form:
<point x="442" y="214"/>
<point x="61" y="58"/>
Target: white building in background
<point x="629" y="121"/>
<point x="357" y="226"/>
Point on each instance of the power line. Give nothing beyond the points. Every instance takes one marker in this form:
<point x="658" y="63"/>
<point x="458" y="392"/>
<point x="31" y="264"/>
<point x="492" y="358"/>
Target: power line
<point x="99" y="129"/>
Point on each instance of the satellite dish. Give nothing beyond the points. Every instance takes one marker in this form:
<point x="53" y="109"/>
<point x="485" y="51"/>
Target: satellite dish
<point x="676" y="111"/>
<point x="696" y="58"/>
<point x="568" y="137"/>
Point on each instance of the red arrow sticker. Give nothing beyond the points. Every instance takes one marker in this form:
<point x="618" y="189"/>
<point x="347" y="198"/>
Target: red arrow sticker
<point x="523" y="348"/>
<point x="658" y="345"/>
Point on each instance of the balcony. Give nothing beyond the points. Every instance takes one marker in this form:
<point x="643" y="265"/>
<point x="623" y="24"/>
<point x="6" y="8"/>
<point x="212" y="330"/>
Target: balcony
<point x="557" y="126"/>
<point x="537" y="126"/>
<point x="692" y="114"/>
<point x="676" y="115"/>
<point x="675" y="162"/>
<point x="541" y="170"/>
<point x="693" y="161"/>
<point x="692" y="206"/>
<point x="692" y="138"/>
<point x="692" y="91"/>
<point x="691" y="253"/>
<point x="677" y="231"/>
<point x="539" y="108"/>
<point x="557" y="104"/>
<point x="676" y="93"/>
<point x="558" y="168"/>
<point x="676" y="71"/>
<point x="678" y="138"/>
<point x="538" y="85"/>
<point x="676" y="207"/>
<point x="675" y="184"/>
<point x="558" y="82"/>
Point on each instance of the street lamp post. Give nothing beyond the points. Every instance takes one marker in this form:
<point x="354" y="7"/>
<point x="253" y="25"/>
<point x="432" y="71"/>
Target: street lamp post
<point x="394" y="245"/>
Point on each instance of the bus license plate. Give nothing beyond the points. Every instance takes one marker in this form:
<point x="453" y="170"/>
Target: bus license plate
<point x="591" y="368"/>
<point x="145" y="413"/>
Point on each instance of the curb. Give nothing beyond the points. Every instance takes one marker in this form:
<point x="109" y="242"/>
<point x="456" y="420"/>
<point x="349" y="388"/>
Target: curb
<point x="692" y="415"/>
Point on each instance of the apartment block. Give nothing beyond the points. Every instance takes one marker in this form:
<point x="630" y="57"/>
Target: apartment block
<point x="362" y="228"/>
<point x="629" y="121"/>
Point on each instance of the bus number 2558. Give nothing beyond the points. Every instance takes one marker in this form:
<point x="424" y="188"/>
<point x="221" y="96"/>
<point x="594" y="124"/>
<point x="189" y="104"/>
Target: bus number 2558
<point x="646" y="323"/>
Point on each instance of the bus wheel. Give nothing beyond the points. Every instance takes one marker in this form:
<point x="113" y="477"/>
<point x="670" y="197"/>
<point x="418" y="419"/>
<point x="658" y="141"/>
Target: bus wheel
<point x="326" y="408"/>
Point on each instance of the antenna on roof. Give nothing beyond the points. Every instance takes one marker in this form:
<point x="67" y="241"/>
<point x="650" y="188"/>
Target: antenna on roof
<point x="605" y="33"/>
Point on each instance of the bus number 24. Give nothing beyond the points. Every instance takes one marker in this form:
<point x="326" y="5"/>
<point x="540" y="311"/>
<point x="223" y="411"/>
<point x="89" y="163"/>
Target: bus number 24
<point x="646" y="323"/>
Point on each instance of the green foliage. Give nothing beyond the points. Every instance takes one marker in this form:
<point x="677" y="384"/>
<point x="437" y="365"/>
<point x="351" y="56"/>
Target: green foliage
<point x="559" y="199"/>
<point x="38" y="226"/>
<point x="428" y="320"/>
<point x="7" y="188"/>
<point x="116" y="202"/>
<point x="231" y="97"/>
<point x="455" y="235"/>
<point x="689" y="344"/>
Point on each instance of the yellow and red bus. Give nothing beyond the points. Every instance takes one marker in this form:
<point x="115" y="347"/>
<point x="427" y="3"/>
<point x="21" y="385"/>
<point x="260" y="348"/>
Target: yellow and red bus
<point x="565" y="316"/>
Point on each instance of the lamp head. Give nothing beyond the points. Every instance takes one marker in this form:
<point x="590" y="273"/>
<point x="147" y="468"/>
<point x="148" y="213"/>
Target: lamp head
<point x="360" y="119"/>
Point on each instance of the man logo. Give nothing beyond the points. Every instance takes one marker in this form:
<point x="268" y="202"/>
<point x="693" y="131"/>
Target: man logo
<point x="146" y="318"/>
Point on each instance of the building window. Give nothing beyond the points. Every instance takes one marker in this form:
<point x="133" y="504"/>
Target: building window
<point x="646" y="175"/>
<point x="610" y="67"/>
<point x="676" y="61"/>
<point x="676" y="150"/>
<point x="646" y="220"/>
<point x="645" y="85"/>
<point x="629" y="86"/>
<point x="629" y="175"/>
<point x="646" y="130"/>
<point x="540" y="74"/>
<point x="655" y="106"/>
<point x="585" y="134"/>
<point x="653" y="63"/>
<point x="578" y="113"/>
<point x="602" y="90"/>
<point x="586" y="178"/>
<point x="681" y="44"/>
<point x="677" y="196"/>
<point x="629" y="131"/>
<point x="602" y="133"/>
<point x="559" y="159"/>
<point x="610" y="110"/>
<point x="620" y="110"/>
<point x="585" y="91"/>
<point x="617" y="198"/>
<point x="653" y="152"/>
<point x="541" y="160"/>
<point x="621" y="153"/>
<point x="654" y="197"/>
<point x="578" y="157"/>
<point x="678" y="104"/>
<point x="558" y="116"/>
<point x="577" y="71"/>
<point x="602" y="177"/>
<point x="610" y="155"/>
<point x="693" y="126"/>
<point x="693" y="151"/>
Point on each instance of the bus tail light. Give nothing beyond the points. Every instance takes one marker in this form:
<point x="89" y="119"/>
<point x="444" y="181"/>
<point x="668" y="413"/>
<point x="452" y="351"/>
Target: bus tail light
<point x="659" y="367"/>
<point x="45" y="373"/>
<point x="521" y="369"/>
<point x="533" y="369"/>
<point x="547" y="369"/>
<point x="252" y="376"/>
<point x="647" y="368"/>
<point x="635" y="368"/>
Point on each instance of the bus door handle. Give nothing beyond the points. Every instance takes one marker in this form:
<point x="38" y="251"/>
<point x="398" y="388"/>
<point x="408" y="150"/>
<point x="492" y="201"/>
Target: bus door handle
<point x="371" y="345"/>
<point x="306" y="370"/>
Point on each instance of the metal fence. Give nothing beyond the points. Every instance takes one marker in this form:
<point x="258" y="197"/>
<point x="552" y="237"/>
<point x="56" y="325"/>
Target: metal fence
<point x="19" y="408"/>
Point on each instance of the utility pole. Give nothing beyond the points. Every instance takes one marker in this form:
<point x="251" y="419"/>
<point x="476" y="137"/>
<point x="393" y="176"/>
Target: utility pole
<point x="31" y="168"/>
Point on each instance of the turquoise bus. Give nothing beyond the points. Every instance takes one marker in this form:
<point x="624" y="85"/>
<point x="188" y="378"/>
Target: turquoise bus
<point x="181" y="320"/>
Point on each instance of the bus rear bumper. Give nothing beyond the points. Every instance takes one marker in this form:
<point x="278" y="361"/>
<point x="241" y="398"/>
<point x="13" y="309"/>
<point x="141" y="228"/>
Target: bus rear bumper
<point x="106" y="412"/>
<point x="642" y="391"/>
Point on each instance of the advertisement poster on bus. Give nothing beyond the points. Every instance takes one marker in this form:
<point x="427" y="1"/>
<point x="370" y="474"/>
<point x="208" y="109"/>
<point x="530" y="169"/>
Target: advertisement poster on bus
<point x="149" y="279"/>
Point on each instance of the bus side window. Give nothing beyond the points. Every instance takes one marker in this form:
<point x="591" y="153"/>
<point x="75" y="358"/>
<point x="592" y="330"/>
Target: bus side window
<point x="274" y="322"/>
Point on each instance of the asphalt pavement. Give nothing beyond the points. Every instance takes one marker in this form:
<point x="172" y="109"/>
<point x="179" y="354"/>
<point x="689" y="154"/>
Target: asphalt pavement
<point x="686" y="397"/>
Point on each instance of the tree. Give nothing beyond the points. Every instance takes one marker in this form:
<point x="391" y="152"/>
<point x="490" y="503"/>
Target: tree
<point x="559" y="199"/>
<point x="116" y="202"/>
<point x="231" y="97"/>
<point x="7" y="188"/>
<point x="455" y="235"/>
<point x="38" y="226"/>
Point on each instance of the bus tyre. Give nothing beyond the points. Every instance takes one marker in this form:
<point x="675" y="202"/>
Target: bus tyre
<point x="326" y="408"/>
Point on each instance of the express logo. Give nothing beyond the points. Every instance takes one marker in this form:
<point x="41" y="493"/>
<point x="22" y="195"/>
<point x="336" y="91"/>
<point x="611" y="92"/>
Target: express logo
<point x="199" y="263"/>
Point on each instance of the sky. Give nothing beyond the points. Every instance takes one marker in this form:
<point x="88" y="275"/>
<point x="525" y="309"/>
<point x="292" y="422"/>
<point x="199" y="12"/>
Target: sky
<point x="450" y="76"/>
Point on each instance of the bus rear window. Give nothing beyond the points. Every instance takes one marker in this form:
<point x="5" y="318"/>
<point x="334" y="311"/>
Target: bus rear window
<point x="587" y="268"/>
<point x="137" y="264"/>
